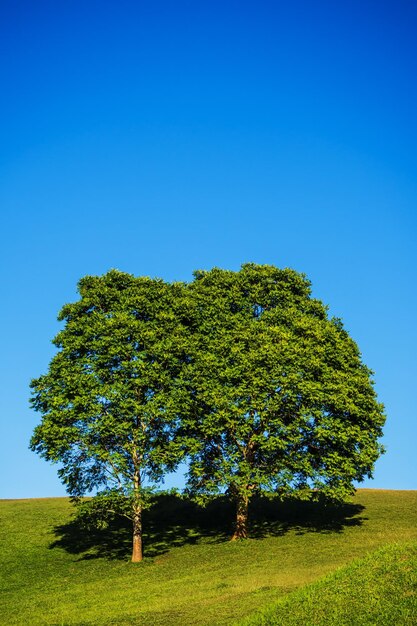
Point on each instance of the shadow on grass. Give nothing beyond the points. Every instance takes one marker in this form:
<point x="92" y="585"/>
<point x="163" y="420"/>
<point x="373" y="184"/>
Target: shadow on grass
<point x="173" y="521"/>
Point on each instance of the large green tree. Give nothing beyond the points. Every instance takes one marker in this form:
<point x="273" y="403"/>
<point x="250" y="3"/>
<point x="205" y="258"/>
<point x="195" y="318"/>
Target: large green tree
<point x="110" y="401"/>
<point x="282" y="400"/>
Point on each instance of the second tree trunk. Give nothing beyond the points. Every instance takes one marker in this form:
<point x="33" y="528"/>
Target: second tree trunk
<point x="241" y="528"/>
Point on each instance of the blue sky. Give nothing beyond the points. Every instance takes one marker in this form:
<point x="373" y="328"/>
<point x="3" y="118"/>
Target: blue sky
<point x="163" y="137"/>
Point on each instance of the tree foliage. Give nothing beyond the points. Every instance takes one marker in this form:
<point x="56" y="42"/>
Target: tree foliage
<point x="243" y="372"/>
<point x="110" y="400"/>
<point x="284" y="402"/>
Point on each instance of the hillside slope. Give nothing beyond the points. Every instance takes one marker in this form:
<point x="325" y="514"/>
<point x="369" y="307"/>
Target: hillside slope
<point x="53" y="572"/>
<point x="378" y="589"/>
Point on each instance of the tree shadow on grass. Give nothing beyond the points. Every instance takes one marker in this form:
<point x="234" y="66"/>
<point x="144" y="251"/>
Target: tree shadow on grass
<point x="273" y="517"/>
<point x="174" y="521"/>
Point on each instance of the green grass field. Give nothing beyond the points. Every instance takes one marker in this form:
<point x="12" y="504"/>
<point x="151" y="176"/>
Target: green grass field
<point x="380" y="588"/>
<point x="53" y="573"/>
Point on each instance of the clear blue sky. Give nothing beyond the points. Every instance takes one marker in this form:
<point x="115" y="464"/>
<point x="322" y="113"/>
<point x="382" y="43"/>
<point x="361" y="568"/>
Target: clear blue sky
<point x="163" y="137"/>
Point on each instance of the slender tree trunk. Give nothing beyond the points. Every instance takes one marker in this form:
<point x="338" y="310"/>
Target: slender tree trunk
<point x="241" y="528"/>
<point x="137" y="554"/>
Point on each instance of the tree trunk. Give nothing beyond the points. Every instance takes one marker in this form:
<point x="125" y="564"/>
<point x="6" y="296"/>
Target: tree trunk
<point x="137" y="554"/>
<point x="241" y="528"/>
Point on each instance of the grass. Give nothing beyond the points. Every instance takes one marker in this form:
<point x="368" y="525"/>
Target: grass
<point x="379" y="589"/>
<point x="52" y="573"/>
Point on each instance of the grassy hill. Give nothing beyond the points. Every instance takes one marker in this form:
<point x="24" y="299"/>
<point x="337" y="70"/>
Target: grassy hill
<point x="380" y="588"/>
<point x="53" y="573"/>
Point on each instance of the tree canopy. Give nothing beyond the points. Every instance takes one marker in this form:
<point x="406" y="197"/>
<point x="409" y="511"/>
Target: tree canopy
<point x="110" y="400"/>
<point x="284" y="402"/>
<point x="241" y="372"/>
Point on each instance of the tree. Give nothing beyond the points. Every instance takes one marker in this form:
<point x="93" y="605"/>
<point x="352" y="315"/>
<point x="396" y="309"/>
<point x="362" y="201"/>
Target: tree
<point x="282" y="401"/>
<point x="110" y="400"/>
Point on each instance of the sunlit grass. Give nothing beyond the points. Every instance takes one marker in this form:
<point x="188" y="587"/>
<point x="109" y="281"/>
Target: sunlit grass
<point x="380" y="588"/>
<point x="53" y="573"/>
